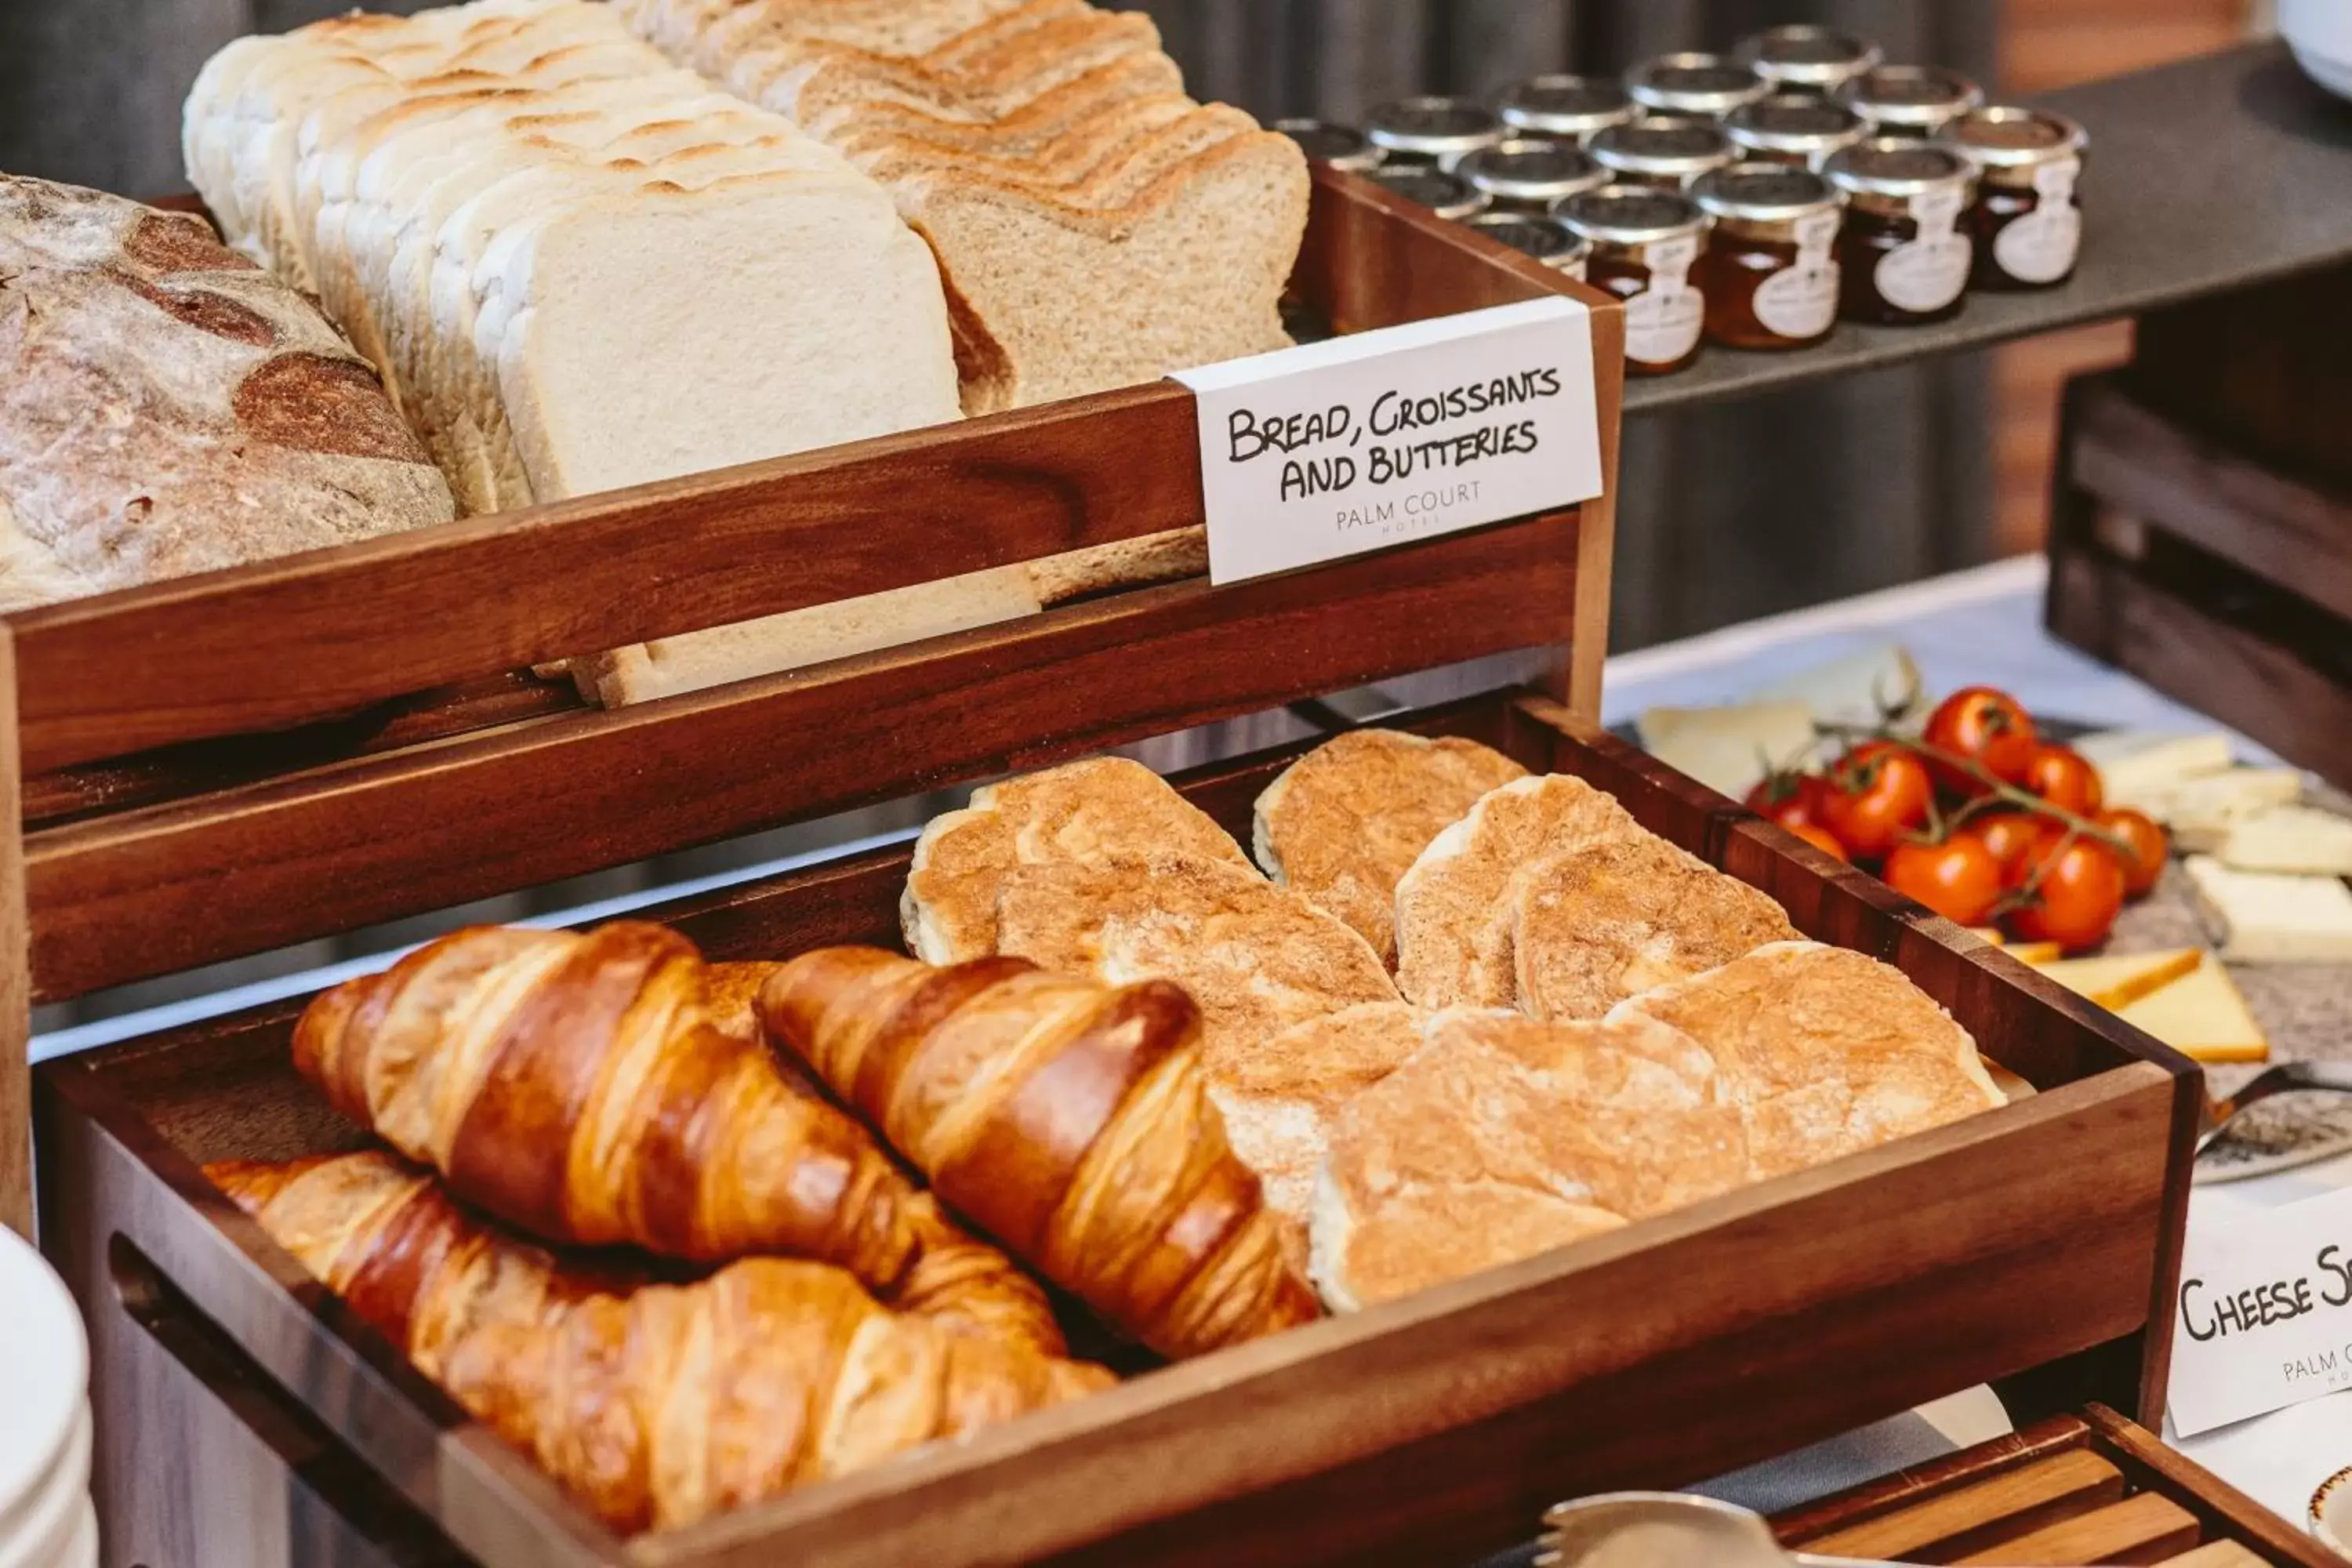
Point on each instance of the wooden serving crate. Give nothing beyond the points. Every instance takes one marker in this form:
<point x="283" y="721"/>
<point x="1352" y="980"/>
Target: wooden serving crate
<point x="2218" y="575"/>
<point x="245" y="1417"/>
<point x="2085" y="1488"/>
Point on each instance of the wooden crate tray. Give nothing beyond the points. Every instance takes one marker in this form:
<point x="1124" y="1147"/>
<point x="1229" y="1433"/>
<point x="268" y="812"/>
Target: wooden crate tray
<point x="2036" y="1243"/>
<point x="2072" y="1490"/>
<point x="2212" y="576"/>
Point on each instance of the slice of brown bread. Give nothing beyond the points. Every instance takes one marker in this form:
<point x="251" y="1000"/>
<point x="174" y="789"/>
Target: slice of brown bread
<point x="1032" y="129"/>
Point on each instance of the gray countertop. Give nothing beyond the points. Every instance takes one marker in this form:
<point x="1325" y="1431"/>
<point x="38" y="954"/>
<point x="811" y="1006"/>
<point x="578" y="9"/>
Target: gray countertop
<point x="2202" y="176"/>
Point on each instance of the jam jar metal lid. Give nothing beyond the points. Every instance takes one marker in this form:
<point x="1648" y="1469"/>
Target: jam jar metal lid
<point x="1549" y="240"/>
<point x="1432" y="188"/>
<point x="1646" y="147"/>
<point x="1694" y="84"/>
<point x="1440" y="128"/>
<point x="1794" y="123"/>
<point x="2005" y="138"/>
<point x="1803" y="54"/>
<point x="1341" y="146"/>
<point x="1896" y="167"/>
<point x="1762" y="192"/>
<point x="1531" y="169"/>
<point x="1566" y="105"/>
<point x="1631" y="214"/>
<point x="1911" y="96"/>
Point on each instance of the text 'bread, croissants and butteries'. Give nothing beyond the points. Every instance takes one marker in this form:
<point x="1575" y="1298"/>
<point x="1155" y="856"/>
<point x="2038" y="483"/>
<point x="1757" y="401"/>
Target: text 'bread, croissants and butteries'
<point x="1067" y="1118"/>
<point x="589" y="1091"/>
<point x="655" y="1405"/>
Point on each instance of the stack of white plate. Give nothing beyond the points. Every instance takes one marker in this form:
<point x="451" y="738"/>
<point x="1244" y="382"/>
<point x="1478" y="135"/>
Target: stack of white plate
<point x="2320" y="33"/>
<point x="46" y="1518"/>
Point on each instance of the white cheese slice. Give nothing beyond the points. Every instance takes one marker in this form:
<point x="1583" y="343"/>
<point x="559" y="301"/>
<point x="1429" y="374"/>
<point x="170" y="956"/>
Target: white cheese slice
<point x="2117" y="980"/>
<point x="2201" y="812"/>
<point x="2295" y="838"/>
<point x="2276" y="919"/>
<point x="1862" y="688"/>
<point x="1730" y="749"/>
<point x="2133" y="763"/>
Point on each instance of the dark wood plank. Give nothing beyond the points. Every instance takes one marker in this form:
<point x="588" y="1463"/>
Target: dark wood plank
<point x="1844" y="1510"/>
<point x="15" y="973"/>
<point x="2274" y="525"/>
<point x="147" y="893"/>
<point x="2223" y="1508"/>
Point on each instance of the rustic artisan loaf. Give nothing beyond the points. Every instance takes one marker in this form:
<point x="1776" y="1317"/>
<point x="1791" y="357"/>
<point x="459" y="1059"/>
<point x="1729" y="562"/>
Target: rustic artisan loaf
<point x="1280" y="1098"/>
<point x="1094" y="229"/>
<point x="1344" y="822"/>
<point x="1452" y="906"/>
<point x="1594" y="925"/>
<point x="1824" y="1051"/>
<point x="166" y="407"/>
<point x="1504" y="1137"/>
<point x="1080" y="811"/>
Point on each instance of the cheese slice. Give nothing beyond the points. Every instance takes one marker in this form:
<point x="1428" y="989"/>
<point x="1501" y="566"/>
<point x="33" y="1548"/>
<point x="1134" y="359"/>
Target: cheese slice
<point x="2117" y="980"/>
<point x="2201" y="812"/>
<point x="2036" y="953"/>
<point x="2201" y="1014"/>
<point x="2131" y="762"/>
<point x="1730" y="749"/>
<point x="2276" y="919"/>
<point x="2295" y="838"/>
<point x="1862" y="688"/>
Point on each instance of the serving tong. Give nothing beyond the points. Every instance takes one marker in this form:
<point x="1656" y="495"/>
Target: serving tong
<point x="2285" y="1078"/>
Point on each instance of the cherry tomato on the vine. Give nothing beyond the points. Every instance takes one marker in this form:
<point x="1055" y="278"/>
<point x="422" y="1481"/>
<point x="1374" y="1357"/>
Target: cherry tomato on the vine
<point x="2145" y="864"/>
<point x="2065" y="778"/>
<point x="1790" y="799"/>
<point x="1958" y="879"/>
<point x="2073" y="889"/>
<point x="2007" y="834"/>
<point x="1990" y="727"/>
<point x="1819" y="837"/>
<point x="1875" y="793"/>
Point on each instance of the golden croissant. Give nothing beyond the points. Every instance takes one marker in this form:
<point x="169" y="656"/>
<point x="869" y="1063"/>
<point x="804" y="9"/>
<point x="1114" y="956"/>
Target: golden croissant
<point x="1066" y="1119"/>
<point x="680" y="1401"/>
<point x="576" y="1086"/>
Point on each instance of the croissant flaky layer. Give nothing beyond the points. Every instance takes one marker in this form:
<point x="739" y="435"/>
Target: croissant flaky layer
<point x="577" y="1087"/>
<point x="678" y="1401"/>
<point x="1068" y="1119"/>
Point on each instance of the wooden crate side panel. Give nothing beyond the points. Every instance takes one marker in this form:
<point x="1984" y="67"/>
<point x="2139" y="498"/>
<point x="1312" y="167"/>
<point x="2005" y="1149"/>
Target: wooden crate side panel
<point x="151" y="891"/>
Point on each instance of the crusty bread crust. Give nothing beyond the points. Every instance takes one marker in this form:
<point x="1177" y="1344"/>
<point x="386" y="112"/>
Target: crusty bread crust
<point x="1279" y="1100"/>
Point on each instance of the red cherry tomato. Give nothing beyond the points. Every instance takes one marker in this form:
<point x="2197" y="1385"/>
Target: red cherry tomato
<point x="2065" y="778"/>
<point x="2075" y="895"/>
<point x="1987" y="726"/>
<point x="1959" y="878"/>
<point x="2008" y="834"/>
<point x="1875" y="793"/>
<point x="1790" y="799"/>
<point x="2145" y="864"/>
<point x="1819" y="837"/>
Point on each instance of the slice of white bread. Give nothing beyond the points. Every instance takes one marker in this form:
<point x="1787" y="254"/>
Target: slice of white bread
<point x="1079" y="811"/>
<point x="1826" y="1051"/>
<point x="1503" y="1138"/>
<point x="1279" y="1100"/>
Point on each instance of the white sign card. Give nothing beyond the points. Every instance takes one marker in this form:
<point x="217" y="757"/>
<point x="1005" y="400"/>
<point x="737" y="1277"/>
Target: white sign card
<point x="2263" y="1318"/>
<point x="1385" y="437"/>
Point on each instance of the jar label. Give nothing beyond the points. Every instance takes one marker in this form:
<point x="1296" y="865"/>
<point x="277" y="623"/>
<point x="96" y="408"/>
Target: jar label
<point x="1929" y="272"/>
<point x="2039" y="246"/>
<point x="1798" y="302"/>
<point x="1662" y="322"/>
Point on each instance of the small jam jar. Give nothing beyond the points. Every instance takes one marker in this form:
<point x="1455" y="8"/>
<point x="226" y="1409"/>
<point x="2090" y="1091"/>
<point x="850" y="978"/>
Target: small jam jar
<point x="1801" y="131"/>
<point x="1568" y="106"/>
<point x="1440" y="130"/>
<point x="1665" y="157"/>
<point x="1445" y="195"/>
<point x="1644" y="243"/>
<point x="2027" y="225"/>
<point x="1905" y="258"/>
<point x="1529" y="174"/>
<point x="1708" y="85"/>
<point x="1549" y="240"/>
<point x="1769" y="272"/>
<point x="1341" y="146"/>
<point x="1803" y="57"/>
<point x="1909" y="101"/>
